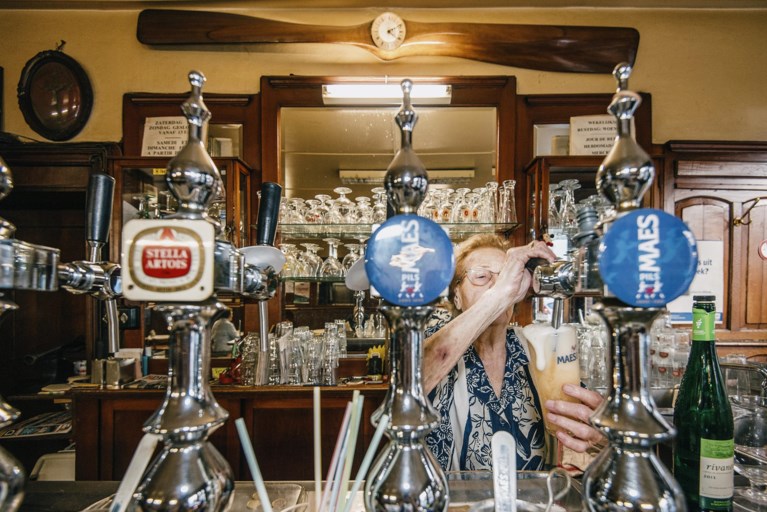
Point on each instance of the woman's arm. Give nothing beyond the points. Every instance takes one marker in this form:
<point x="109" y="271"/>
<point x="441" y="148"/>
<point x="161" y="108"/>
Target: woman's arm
<point x="443" y="350"/>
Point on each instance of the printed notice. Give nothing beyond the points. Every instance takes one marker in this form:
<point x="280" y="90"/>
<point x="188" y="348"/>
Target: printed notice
<point x="593" y="135"/>
<point x="164" y="136"/>
<point x="709" y="280"/>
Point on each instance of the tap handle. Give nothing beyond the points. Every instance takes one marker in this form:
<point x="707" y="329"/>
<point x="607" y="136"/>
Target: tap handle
<point x="268" y="212"/>
<point x="534" y="263"/>
<point x="99" y="208"/>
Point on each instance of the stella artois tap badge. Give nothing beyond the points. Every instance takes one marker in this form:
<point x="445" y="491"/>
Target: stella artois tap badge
<point x="167" y="261"/>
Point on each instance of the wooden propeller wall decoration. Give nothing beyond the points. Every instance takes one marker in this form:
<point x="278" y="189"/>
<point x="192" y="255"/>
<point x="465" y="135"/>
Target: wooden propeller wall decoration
<point x="573" y="49"/>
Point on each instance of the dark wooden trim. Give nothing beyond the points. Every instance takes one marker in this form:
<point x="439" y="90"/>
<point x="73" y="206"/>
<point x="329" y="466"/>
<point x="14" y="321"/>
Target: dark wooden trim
<point x="225" y="108"/>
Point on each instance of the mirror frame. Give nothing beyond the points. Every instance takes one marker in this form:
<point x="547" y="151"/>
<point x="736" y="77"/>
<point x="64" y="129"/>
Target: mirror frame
<point x="306" y="91"/>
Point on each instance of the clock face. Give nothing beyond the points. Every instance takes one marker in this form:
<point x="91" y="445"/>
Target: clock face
<point x="388" y="31"/>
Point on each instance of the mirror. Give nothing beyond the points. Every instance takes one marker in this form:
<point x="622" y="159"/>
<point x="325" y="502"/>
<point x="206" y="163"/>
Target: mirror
<point x="325" y="148"/>
<point x="305" y="143"/>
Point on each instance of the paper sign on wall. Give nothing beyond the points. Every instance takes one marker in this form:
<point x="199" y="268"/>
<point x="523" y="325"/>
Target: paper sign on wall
<point x="164" y="136"/>
<point x="593" y="135"/>
<point x="709" y="280"/>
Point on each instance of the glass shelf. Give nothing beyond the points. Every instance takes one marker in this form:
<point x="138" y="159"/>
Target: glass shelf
<point x="312" y="279"/>
<point x="357" y="230"/>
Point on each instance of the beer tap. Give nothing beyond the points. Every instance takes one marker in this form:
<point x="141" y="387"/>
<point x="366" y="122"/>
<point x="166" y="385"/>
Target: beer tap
<point x="637" y="260"/>
<point x="23" y="266"/>
<point x="409" y="260"/>
<point x="181" y="263"/>
<point x="267" y="261"/>
<point x="100" y="279"/>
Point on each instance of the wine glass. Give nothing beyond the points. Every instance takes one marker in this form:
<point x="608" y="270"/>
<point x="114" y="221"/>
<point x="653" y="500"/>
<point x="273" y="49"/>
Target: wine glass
<point x="364" y="210"/>
<point x="331" y="267"/>
<point x="314" y="213"/>
<point x="311" y="259"/>
<point x="379" y="204"/>
<point x="344" y="205"/>
<point x="351" y="256"/>
<point x="757" y="479"/>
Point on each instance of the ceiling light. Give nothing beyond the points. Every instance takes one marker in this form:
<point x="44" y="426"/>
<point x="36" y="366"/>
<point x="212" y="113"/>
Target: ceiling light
<point x="384" y="94"/>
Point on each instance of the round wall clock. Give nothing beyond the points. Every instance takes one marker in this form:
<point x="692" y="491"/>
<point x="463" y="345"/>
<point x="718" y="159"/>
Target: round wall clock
<point x="55" y="95"/>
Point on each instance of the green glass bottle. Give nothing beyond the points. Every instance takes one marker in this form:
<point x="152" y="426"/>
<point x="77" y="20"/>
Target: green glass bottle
<point x="703" y="447"/>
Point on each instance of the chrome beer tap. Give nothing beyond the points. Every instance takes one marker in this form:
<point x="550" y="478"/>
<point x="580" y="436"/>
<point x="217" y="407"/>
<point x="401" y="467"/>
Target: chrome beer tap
<point x="100" y="279"/>
<point x="409" y="260"/>
<point x="23" y="266"/>
<point x="181" y="262"/>
<point x="645" y="258"/>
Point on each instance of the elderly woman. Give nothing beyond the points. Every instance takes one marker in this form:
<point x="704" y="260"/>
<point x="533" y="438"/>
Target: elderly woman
<point x="476" y="369"/>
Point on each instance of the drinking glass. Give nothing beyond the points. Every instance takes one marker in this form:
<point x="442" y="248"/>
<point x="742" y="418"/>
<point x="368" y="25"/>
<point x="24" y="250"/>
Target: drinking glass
<point x="331" y="267"/>
<point x="341" y="330"/>
<point x="364" y="211"/>
<point x="379" y="204"/>
<point x="344" y="205"/>
<point x="428" y="207"/>
<point x="567" y="206"/>
<point x="330" y="355"/>
<point x="490" y="202"/>
<point x="554" y="362"/>
<point x="507" y="207"/>
<point x="473" y="199"/>
<point x="461" y="206"/>
<point x="757" y="479"/>
<point x="444" y="206"/>
<point x="314" y="212"/>
<point x="352" y="256"/>
<point x="291" y="266"/>
<point x="311" y="259"/>
<point x="555" y="199"/>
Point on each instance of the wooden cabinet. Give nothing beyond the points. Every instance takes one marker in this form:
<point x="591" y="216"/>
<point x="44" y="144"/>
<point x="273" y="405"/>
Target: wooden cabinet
<point x="720" y="190"/>
<point x="108" y="427"/>
<point x="141" y="192"/>
<point x="49" y="330"/>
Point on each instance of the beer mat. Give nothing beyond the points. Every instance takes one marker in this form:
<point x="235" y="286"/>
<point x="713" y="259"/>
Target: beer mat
<point x="151" y="381"/>
<point x="55" y="389"/>
<point x="49" y="423"/>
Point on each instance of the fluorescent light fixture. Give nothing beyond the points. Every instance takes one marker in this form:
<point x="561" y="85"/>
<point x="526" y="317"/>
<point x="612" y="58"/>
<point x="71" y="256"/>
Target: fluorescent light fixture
<point x="384" y="94"/>
<point x="376" y="176"/>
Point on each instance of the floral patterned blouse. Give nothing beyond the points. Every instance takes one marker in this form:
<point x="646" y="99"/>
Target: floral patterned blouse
<point x="470" y="412"/>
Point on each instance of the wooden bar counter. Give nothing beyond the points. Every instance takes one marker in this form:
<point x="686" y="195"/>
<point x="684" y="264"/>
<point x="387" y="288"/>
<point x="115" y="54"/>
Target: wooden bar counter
<point x="108" y="427"/>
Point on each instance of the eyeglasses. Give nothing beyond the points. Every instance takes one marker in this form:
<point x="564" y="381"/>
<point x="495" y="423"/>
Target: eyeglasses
<point x="480" y="276"/>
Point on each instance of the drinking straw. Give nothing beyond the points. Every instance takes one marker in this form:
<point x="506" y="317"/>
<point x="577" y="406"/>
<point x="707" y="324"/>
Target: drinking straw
<point x="349" y="435"/>
<point x="134" y="472"/>
<point x="250" y="456"/>
<point x="358" y="401"/>
<point x="336" y="453"/>
<point x="383" y="422"/>
<point x="317" y="451"/>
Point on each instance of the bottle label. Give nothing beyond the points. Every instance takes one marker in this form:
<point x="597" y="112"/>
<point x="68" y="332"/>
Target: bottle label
<point x="703" y="325"/>
<point x="716" y="474"/>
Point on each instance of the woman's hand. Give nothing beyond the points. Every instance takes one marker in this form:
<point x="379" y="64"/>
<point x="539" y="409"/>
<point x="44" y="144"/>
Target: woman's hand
<point x="574" y="431"/>
<point x="514" y="278"/>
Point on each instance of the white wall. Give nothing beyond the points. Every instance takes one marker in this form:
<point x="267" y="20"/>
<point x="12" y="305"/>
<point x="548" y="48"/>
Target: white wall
<point x="706" y="69"/>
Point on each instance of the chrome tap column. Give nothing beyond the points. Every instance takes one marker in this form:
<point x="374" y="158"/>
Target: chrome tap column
<point x="646" y="258"/>
<point x="180" y="263"/>
<point x="409" y="260"/>
<point x="23" y="266"/>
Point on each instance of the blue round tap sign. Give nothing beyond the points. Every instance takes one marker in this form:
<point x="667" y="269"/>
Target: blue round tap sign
<point x="648" y="258"/>
<point x="409" y="260"/>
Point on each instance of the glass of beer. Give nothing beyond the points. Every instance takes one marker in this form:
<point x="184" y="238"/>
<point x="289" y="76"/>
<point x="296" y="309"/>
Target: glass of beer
<point x="554" y="362"/>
